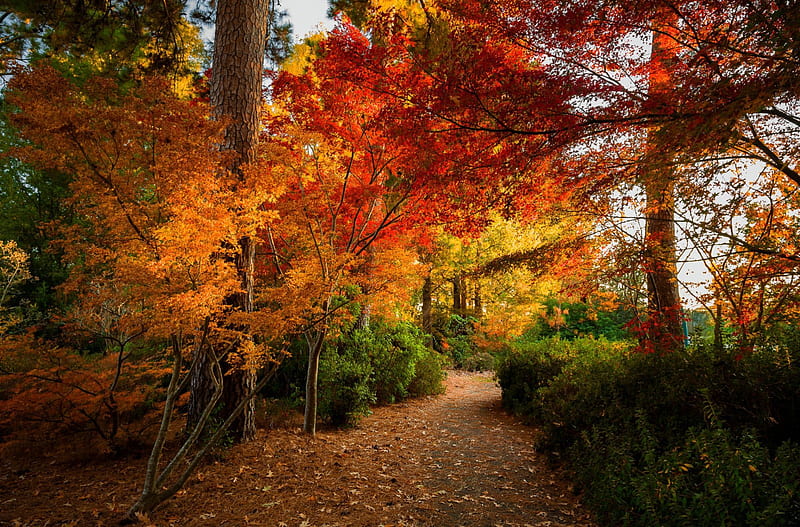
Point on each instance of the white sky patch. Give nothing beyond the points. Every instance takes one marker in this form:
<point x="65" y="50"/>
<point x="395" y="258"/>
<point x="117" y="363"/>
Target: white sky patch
<point x="307" y="16"/>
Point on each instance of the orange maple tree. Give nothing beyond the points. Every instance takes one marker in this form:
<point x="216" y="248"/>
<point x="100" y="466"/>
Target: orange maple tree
<point x="158" y="215"/>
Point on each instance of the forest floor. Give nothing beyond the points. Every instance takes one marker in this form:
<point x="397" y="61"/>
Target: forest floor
<point x="450" y="460"/>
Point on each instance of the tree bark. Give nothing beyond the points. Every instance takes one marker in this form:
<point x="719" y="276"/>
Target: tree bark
<point x="458" y="294"/>
<point x="312" y="379"/>
<point x="477" y="299"/>
<point x="201" y="386"/>
<point x="236" y="87"/>
<point x="463" y="289"/>
<point x="364" y="316"/>
<point x="427" y="304"/>
<point x="236" y="80"/>
<point x="664" y="329"/>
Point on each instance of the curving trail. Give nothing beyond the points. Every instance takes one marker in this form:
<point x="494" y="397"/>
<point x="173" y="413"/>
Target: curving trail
<point x="470" y="463"/>
<point x="450" y="460"/>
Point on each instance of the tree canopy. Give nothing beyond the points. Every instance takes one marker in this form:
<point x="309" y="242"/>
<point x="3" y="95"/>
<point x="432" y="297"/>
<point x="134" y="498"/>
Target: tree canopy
<point x="498" y="173"/>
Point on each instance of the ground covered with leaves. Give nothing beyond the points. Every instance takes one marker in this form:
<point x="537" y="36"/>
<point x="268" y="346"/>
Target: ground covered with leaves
<point x="454" y="459"/>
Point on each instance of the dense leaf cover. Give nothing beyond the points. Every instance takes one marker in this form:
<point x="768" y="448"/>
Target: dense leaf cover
<point x="497" y="170"/>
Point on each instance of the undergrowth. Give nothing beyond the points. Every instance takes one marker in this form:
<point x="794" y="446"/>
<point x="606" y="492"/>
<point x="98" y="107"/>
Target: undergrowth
<point x="696" y="437"/>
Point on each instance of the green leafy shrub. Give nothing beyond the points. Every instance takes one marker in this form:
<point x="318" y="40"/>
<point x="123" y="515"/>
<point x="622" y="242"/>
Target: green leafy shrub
<point x="698" y="437"/>
<point x="480" y="361"/>
<point x="581" y="319"/>
<point x="675" y="391"/>
<point x="429" y="375"/>
<point x="712" y="477"/>
<point x="609" y="390"/>
<point x="382" y="364"/>
<point x="345" y="391"/>
<point x="458" y="348"/>
<point x="394" y="352"/>
<point x="452" y="335"/>
<point x="530" y="365"/>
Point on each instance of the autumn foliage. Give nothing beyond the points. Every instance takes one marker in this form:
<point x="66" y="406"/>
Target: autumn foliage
<point x="157" y="217"/>
<point x="58" y="398"/>
<point x="518" y="177"/>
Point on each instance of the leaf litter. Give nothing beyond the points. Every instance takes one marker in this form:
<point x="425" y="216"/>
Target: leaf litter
<point x="450" y="460"/>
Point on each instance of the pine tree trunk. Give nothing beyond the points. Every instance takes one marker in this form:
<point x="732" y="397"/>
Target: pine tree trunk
<point x="236" y="86"/>
<point x="239" y="383"/>
<point x="236" y="80"/>
<point x="201" y="386"/>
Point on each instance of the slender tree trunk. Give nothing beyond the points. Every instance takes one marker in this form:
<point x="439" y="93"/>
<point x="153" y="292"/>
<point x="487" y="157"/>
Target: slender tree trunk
<point x="463" y="290"/>
<point x="458" y="296"/>
<point x="312" y="380"/>
<point x="477" y="299"/>
<point x="427" y="304"/>
<point x="162" y="481"/>
<point x="236" y="86"/>
<point x="718" y="328"/>
<point x="664" y="329"/>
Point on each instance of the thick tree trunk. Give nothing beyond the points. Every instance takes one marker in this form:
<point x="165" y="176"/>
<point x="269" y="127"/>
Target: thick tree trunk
<point x="664" y="329"/>
<point x="236" y="80"/>
<point x="427" y="304"/>
<point x="236" y="86"/>
<point x="240" y="383"/>
<point x="201" y="386"/>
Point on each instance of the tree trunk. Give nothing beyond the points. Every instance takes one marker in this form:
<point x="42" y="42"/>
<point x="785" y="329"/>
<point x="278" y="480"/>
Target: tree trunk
<point x="463" y="290"/>
<point x="364" y="316"/>
<point x="236" y="80"/>
<point x="718" y="346"/>
<point x="664" y="329"/>
<point x="201" y="386"/>
<point x="427" y="304"/>
<point x="312" y="379"/>
<point x="477" y="299"/>
<point x="458" y="295"/>
<point x="164" y="481"/>
<point x="239" y="383"/>
<point x="236" y="86"/>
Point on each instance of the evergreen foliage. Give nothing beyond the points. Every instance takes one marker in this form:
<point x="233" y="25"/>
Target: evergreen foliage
<point x="695" y="437"/>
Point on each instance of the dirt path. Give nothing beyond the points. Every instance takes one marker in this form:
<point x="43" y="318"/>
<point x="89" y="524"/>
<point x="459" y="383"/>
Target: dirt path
<point x="453" y="460"/>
